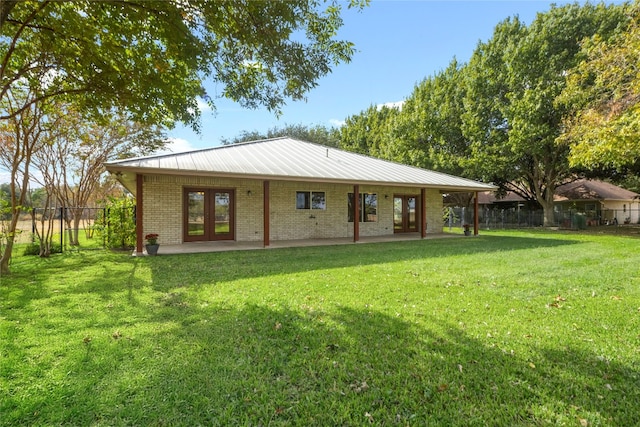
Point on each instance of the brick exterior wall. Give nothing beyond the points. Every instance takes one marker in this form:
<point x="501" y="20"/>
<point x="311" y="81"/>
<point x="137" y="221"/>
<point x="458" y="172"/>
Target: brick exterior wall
<point x="163" y="208"/>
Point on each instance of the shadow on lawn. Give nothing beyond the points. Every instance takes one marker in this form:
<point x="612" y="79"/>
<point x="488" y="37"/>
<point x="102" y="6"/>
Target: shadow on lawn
<point x="212" y="267"/>
<point x="257" y="366"/>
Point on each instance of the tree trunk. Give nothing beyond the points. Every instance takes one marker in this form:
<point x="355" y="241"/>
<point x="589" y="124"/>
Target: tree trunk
<point x="71" y="232"/>
<point x="4" y="262"/>
<point x="11" y="235"/>
<point x="6" y="256"/>
<point x="77" y="217"/>
<point x="548" y="212"/>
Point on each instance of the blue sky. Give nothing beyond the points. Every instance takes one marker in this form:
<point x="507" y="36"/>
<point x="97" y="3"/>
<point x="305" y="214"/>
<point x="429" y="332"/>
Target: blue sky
<point x="398" y="43"/>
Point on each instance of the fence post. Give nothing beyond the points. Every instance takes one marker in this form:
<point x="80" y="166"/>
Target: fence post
<point x="62" y="228"/>
<point x="105" y="234"/>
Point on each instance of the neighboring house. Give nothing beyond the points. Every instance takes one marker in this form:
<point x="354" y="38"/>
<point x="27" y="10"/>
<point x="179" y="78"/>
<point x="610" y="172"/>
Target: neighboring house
<point x="282" y="189"/>
<point x="600" y="202"/>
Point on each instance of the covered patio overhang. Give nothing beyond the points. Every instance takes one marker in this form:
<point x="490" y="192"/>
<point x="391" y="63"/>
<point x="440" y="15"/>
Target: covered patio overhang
<point x="267" y="242"/>
<point x="286" y="160"/>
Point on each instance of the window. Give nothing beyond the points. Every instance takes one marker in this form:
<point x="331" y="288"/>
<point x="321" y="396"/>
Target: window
<point x="310" y="200"/>
<point x="368" y="207"/>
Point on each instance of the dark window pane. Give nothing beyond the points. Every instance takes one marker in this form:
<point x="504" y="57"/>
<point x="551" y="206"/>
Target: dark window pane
<point x="350" y="207"/>
<point x="303" y="200"/>
<point x="370" y="203"/>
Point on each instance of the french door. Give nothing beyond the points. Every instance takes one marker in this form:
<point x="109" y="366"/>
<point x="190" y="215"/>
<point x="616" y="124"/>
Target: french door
<point x="208" y="214"/>
<point x="405" y="214"/>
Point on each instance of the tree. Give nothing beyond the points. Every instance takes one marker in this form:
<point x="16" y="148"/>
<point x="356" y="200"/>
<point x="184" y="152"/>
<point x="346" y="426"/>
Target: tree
<point x="20" y="138"/>
<point x="428" y="131"/>
<point x="603" y="92"/>
<point x="72" y="164"/>
<point x="318" y="134"/>
<point x="511" y="117"/>
<point x="151" y="57"/>
<point x="369" y="132"/>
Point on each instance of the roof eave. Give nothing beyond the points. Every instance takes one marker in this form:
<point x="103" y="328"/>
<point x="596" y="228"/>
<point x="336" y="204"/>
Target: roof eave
<point x="126" y="175"/>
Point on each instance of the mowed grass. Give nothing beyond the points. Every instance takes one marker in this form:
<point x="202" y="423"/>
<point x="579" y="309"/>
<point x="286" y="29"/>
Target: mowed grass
<point x="503" y="329"/>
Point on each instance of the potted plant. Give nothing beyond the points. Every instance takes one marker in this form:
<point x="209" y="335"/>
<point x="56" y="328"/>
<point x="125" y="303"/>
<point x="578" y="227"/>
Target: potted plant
<point x="467" y="231"/>
<point x="152" y="243"/>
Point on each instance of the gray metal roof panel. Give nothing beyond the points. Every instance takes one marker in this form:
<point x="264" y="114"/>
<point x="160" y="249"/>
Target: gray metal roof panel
<point x="288" y="158"/>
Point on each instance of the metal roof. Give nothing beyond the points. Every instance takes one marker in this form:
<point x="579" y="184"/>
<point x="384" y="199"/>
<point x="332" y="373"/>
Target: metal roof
<point x="291" y="160"/>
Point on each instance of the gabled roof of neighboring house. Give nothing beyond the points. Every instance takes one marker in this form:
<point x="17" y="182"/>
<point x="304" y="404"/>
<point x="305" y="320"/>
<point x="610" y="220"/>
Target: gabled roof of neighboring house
<point x="580" y="190"/>
<point x="585" y="189"/>
<point x="290" y="160"/>
<point x="488" y="197"/>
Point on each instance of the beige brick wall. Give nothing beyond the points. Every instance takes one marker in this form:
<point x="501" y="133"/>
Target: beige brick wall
<point x="434" y="211"/>
<point x="163" y="210"/>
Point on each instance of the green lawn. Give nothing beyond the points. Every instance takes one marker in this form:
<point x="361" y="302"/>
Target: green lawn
<point x="504" y="329"/>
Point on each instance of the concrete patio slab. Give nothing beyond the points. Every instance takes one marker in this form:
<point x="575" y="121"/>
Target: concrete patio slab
<point x="223" y="246"/>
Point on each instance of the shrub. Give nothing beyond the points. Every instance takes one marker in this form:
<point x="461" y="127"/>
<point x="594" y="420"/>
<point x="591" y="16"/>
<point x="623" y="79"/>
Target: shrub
<point x="34" y="249"/>
<point x="118" y="227"/>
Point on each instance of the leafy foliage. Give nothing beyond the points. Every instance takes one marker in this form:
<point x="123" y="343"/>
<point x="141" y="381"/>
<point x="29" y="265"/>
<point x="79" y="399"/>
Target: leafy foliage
<point x="497" y="118"/>
<point x="151" y="57"/>
<point x="318" y="134"/>
<point x="512" y="117"/>
<point x="604" y="92"/>
<point x="428" y="130"/>
<point x="36" y="249"/>
<point x="117" y="227"/>
<point x="369" y="132"/>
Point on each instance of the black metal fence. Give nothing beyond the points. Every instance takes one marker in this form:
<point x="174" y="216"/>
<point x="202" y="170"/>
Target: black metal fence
<point x="525" y="218"/>
<point x="70" y="228"/>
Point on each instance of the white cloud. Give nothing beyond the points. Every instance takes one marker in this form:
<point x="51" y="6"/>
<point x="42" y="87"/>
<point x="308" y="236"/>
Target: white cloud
<point x="396" y="105"/>
<point x="337" y="123"/>
<point x="202" y="105"/>
<point x="177" y="145"/>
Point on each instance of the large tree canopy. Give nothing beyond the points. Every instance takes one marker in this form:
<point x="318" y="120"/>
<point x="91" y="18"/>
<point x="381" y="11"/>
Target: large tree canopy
<point x="496" y="118"/>
<point x="369" y="132"/>
<point x="428" y="130"/>
<point x="511" y="113"/>
<point x="604" y="92"/>
<point x="151" y="57"/>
